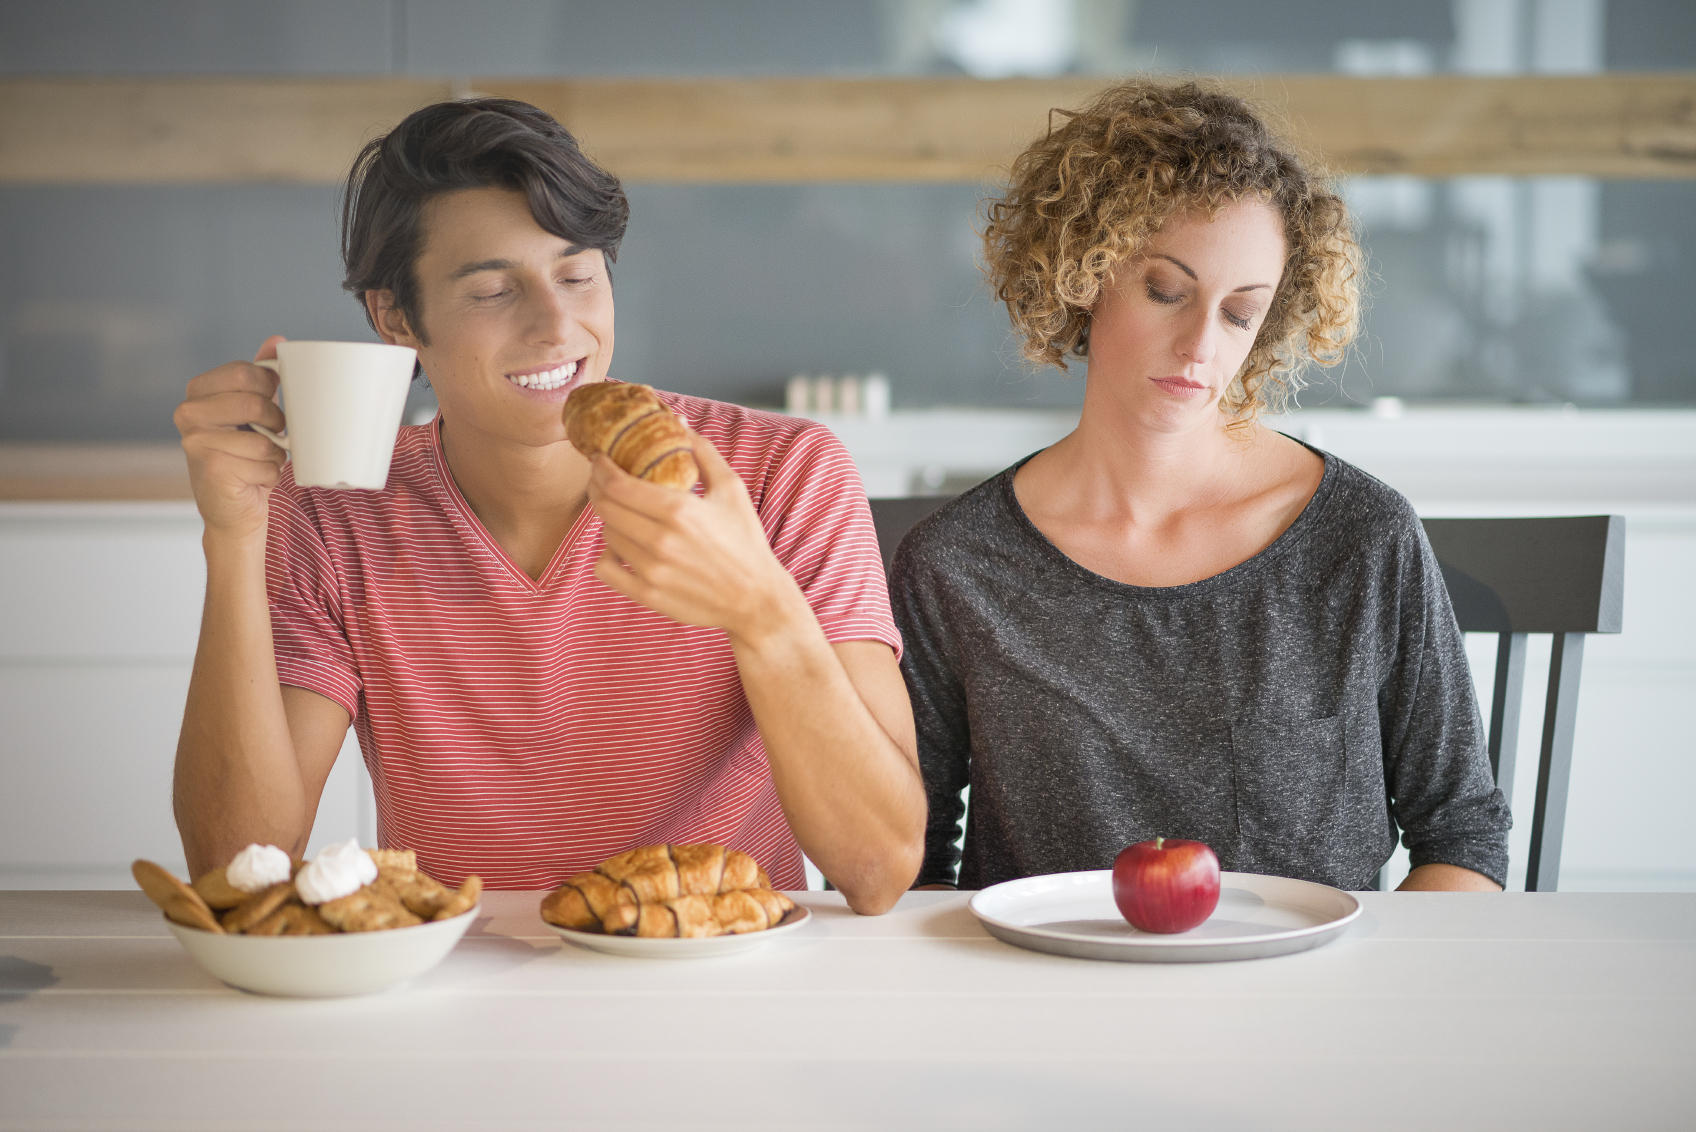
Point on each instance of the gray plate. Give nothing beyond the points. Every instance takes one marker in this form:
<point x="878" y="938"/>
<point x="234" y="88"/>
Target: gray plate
<point x="1074" y="914"/>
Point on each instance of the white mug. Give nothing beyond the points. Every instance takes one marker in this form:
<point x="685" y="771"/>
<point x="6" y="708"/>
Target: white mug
<point x="343" y="401"/>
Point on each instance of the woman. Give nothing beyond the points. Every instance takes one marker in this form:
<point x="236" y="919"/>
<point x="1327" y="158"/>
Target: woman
<point x="1176" y="621"/>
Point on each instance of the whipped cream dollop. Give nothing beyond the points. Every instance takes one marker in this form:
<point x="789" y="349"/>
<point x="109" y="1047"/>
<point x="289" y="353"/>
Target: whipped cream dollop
<point x="258" y="867"/>
<point x="336" y="871"/>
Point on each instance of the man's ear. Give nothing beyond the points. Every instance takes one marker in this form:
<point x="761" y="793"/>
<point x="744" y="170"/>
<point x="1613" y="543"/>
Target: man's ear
<point x="391" y="322"/>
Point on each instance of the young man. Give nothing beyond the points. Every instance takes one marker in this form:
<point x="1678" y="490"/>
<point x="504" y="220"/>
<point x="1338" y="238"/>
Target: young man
<point x="547" y="661"/>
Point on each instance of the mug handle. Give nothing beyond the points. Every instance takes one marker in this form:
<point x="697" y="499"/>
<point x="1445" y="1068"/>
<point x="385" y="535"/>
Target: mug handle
<point x="280" y="439"/>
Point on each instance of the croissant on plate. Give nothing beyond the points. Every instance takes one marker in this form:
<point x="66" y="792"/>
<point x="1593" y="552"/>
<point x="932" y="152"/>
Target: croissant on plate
<point x="688" y="891"/>
<point x="630" y="424"/>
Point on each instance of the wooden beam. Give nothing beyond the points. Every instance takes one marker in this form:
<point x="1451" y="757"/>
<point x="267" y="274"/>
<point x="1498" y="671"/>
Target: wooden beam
<point x="196" y="131"/>
<point x="803" y="129"/>
<point x="52" y="471"/>
<point x="171" y="131"/>
<point x="1624" y="126"/>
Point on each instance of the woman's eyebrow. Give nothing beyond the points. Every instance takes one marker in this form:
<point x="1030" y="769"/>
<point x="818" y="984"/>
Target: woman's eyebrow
<point x="506" y="264"/>
<point x="1185" y="268"/>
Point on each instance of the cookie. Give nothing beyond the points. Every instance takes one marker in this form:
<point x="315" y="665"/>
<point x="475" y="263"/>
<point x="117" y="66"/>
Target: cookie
<point x="367" y="910"/>
<point x="215" y="888"/>
<point x="292" y="919"/>
<point x="423" y="895"/>
<point x="401" y="863"/>
<point x="180" y="903"/>
<point x="462" y="901"/>
<point x="258" y="906"/>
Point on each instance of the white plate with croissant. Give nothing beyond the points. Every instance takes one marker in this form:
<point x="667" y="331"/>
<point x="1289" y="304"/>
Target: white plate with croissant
<point x="672" y="902"/>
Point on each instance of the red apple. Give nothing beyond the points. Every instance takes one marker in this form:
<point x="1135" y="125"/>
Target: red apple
<point x="1166" y="885"/>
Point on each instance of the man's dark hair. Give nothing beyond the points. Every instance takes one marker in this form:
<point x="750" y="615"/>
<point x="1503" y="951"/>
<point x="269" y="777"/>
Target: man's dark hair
<point x="468" y="144"/>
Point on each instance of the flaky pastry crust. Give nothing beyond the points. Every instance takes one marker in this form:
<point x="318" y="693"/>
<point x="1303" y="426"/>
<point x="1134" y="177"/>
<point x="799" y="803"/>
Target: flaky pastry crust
<point x="634" y="429"/>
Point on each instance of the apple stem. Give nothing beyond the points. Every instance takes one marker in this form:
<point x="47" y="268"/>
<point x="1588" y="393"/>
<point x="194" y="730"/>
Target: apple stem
<point x="1159" y="842"/>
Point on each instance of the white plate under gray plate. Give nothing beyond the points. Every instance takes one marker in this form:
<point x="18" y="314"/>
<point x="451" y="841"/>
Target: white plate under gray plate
<point x="1074" y="914"/>
<point x="640" y="948"/>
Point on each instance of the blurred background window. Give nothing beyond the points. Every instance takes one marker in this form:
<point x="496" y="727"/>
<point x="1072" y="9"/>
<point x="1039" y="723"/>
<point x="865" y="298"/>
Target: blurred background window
<point x="1485" y="289"/>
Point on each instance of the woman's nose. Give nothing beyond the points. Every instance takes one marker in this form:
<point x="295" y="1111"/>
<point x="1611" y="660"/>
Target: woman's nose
<point x="1198" y="340"/>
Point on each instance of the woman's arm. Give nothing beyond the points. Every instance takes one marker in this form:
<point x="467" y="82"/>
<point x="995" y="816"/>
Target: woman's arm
<point x="1456" y="820"/>
<point x="939" y="714"/>
<point x="1446" y="878"/>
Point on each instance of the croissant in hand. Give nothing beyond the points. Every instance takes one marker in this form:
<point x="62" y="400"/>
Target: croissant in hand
<point x="692" y="891"/>
<point x="638" y="433"/>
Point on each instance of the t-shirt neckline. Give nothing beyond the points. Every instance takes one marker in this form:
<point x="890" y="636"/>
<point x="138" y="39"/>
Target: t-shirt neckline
<point x="473" y="527"/>
<point x="1225" y="579"/>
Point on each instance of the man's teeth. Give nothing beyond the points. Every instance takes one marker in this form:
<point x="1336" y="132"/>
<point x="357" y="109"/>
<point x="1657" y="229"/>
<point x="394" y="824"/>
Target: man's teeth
<point x="547" y="379"/>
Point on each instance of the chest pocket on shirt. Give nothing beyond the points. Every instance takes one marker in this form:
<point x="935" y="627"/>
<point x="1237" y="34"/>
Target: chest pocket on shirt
<point x="1310" y="794"/>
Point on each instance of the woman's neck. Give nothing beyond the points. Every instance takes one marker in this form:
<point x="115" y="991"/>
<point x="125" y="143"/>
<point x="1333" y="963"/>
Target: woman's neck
<point x="1122" y="469"/>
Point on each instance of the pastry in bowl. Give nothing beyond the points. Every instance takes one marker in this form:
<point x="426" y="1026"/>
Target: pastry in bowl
<point x="232" y="920"/>
<point x="343" y="889"/>
<point x="669" y="891"/>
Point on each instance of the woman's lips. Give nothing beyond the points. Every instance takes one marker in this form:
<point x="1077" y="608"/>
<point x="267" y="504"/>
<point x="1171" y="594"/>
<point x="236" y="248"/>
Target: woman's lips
<point x="1179" y="386"/>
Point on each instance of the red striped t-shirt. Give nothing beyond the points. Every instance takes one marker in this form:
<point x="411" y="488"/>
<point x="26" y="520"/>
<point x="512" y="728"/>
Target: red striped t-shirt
<point x="526" y="730"/>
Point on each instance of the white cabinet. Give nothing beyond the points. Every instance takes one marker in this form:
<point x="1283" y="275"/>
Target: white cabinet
<point x="99" y="610"/>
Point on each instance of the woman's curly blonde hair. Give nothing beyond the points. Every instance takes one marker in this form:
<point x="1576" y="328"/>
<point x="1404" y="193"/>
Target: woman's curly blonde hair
<point x="1086" y="198"/>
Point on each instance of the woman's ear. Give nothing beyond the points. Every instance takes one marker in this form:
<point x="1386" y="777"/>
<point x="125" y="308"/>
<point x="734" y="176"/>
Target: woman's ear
<point x="391" y="322"/>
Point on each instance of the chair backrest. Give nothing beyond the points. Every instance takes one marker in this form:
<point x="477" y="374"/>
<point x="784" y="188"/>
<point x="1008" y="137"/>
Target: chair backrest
<point x="1510" y="577"/>
<point x="894" y="517"/>
<point x="1514" y="577"/>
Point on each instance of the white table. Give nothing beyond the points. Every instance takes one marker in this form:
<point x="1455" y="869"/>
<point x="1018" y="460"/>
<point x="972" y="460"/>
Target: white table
<point x="1545" y="1011"/>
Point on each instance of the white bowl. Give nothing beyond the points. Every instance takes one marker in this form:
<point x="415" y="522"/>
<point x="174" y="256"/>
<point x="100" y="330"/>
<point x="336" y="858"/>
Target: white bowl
<point x="323" y="966"/>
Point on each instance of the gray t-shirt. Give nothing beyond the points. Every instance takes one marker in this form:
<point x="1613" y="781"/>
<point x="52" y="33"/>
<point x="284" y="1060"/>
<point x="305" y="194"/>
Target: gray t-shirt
<point x="1291" y="712"/>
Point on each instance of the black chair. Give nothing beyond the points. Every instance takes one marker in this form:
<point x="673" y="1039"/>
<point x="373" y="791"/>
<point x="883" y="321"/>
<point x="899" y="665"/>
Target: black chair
<point x="1510" y="577"/>
<point x="1514" y="577"/>
<point x="894" y="517"/>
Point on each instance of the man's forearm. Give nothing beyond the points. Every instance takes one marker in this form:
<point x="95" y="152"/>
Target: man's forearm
<point x="237" y="779"/>
<point x="854" y="799"/>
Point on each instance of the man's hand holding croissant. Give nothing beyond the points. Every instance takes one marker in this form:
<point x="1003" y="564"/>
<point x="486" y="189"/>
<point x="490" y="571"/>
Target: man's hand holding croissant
<point x="700" y="560"/>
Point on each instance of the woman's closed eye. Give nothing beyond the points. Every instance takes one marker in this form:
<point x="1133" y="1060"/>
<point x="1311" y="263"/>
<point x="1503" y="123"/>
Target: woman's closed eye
<point x="1164" y="297"/>
<point x="1242" y="320"/>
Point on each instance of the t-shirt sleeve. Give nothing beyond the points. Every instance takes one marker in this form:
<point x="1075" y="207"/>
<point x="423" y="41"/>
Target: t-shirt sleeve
<point x="306" y="616"/>
<point x="816" y="515"/>
<point x="1444" y="796"/>
<point x="939" y="707"/>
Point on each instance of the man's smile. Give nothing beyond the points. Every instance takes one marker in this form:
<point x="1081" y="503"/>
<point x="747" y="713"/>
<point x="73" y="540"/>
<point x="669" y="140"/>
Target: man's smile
<point x="545" y="379"/>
